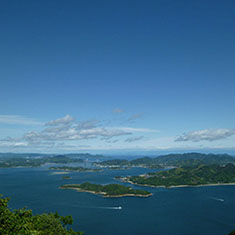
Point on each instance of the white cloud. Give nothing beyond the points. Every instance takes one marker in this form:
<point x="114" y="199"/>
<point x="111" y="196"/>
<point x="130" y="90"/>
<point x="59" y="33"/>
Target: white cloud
<point x="67" y="130"/>
<point x="61" y="121"/>
<point x="133" y="129"/>
<point x="206" y="134"/>
<point x="104" y="132"/>
<point x="89" y="124"/>
<point x="18" y="120"/>
<point x="12" y="144"/>
<point x="64" y="129"/>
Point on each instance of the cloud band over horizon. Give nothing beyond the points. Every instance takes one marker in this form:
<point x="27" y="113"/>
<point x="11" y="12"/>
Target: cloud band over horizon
<point x="206" y="134"/>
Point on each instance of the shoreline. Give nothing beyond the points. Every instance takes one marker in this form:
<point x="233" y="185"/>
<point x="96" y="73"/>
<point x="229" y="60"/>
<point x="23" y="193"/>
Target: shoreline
<point x="59" y="173"/>
<point x="105" y="195"/>
<point x="178" y="186"/>
<point x="66" y="170"/>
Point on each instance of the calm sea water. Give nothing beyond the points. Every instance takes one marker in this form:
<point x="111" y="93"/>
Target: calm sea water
<point x="195" y="210"/>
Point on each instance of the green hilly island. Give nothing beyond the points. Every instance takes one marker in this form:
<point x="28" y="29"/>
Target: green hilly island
<point x="110" y="190"/>
<point x="187" y="176"/>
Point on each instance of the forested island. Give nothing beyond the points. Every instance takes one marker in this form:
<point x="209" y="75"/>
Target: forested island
<point x="22" y="221"/>
<point x="66" y="178"/>
<point x="110" y="190"/>
<point x="186" y="176"/>
<point x="71" y="168"/>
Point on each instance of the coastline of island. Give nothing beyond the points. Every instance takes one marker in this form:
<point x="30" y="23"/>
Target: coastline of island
<point x="74" y="169"/>
<point x="111" y="190"/>
<point x="197" y="176"/>
<point x="60" y="173"/>
<point x="176" y="186"/>
<point x="105" y="195"/>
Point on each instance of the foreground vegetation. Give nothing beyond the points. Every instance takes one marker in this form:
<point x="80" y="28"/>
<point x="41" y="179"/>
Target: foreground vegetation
<point x="22" y="221"/>
<point x="189" y="176"/>
<point x="232" y="233"/>
<point x="110" y="190"/>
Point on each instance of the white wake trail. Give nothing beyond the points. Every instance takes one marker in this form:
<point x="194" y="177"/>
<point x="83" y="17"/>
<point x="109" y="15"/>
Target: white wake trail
<point x="96" y="207"/>
<point x="217" y="199"/>
<point x="108" y="207"/>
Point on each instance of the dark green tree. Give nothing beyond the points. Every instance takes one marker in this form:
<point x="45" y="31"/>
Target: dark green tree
<point x="22" y="221"/>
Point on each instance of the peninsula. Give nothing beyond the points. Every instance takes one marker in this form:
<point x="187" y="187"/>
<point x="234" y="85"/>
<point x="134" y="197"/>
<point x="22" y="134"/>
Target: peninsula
<point x="110" y="190"/>
<point x="186" y="176"/>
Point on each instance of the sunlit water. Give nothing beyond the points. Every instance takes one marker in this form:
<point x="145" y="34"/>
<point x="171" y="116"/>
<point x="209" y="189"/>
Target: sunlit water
<point x="193" y="210"/>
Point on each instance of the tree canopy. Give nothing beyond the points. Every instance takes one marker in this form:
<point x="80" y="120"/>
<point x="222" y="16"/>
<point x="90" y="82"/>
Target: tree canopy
<point x="22" y="221"/>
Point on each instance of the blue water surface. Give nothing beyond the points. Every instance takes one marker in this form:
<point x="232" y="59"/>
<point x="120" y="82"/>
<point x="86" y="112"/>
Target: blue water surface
<point x="190" y="210"/>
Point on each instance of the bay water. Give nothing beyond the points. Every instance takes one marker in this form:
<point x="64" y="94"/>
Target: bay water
<point x="189" y="210"/>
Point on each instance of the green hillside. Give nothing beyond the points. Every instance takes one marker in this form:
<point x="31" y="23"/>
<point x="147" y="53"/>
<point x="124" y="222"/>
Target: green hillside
<point x="192" y="176"/>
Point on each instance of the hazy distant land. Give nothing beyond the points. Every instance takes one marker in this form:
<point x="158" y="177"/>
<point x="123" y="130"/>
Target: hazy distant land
<point x="70" y="168"/>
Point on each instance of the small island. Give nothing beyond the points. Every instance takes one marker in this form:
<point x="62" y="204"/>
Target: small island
<point x="66" y="177"/>
<point x="110" y="190"/>
<point x="186" y="176"/>
<point x="70" y="168"/>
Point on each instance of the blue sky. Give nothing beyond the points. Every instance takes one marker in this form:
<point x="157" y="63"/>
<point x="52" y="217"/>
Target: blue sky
<point x="117" y="75"/>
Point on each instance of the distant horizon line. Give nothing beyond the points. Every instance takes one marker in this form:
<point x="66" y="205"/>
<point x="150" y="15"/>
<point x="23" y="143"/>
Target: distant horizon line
<point x="132" y="152"/>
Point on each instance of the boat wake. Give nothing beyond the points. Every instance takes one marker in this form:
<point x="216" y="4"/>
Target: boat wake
<point x="110" y="207"/>
<point x="97" y="207"/>
<point x="217" y="199"/>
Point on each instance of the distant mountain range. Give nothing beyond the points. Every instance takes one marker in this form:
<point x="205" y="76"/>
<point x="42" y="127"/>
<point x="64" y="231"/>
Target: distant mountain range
<point x="163" y="161"/>
<point x="32" y="155"/>
<point x="176" y="160"/>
